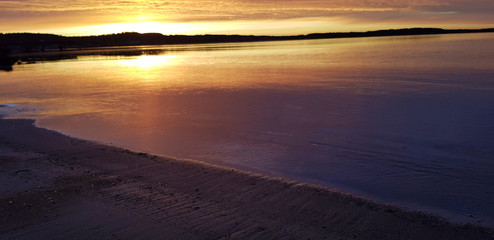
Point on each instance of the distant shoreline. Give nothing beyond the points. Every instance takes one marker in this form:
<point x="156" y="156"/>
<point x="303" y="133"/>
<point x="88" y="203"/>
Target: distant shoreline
<point x="12" y="43"/>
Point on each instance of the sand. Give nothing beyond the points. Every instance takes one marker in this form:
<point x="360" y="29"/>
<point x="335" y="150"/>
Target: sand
<point x="58" y="187"/>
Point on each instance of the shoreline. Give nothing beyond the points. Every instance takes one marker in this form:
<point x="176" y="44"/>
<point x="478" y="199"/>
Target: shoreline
<point x="61" y="187"/>
<point x="57" y="47"/>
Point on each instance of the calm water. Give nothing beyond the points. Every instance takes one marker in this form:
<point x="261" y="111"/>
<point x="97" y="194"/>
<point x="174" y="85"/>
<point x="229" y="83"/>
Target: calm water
<point x="404" y="120"/>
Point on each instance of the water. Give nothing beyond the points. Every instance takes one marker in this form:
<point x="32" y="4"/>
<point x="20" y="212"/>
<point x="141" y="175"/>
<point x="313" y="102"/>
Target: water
<point x="402" y="120"/>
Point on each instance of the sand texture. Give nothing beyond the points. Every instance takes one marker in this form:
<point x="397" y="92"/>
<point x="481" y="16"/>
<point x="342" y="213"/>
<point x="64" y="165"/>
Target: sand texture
<point x="57" y="187"/>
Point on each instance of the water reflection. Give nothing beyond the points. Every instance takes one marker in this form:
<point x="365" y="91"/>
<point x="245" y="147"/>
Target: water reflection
<point x="148" y="62"/>
<point x="6" y="62"/>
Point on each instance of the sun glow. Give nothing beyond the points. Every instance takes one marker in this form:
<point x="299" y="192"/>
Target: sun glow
<point x="140" y="27"/>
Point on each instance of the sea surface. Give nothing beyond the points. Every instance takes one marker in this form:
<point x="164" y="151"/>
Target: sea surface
<point x="404" y="120"/>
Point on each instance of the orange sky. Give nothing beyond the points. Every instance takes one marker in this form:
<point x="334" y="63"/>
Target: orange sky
<point x="271" y="17"/>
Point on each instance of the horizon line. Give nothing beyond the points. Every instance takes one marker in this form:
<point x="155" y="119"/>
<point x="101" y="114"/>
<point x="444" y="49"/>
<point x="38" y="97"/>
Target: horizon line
<point x="253" y="35"/>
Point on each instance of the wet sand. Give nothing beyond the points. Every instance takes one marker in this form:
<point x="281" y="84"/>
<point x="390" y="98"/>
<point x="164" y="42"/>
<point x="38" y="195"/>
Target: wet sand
<point x="57" y="187"/>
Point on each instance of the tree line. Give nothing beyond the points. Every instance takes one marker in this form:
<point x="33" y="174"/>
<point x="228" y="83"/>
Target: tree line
<point x="33" y="42"/>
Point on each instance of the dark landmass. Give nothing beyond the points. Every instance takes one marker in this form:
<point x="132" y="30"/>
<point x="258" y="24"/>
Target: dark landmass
<point x="33" y="42"/>
<point x="57" y="187"/>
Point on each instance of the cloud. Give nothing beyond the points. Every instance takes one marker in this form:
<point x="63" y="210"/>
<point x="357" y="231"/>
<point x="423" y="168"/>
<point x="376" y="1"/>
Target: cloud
<point x="24" y="13"/>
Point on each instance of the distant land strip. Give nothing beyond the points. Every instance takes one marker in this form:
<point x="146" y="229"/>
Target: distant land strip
<point x="36" y="42"/>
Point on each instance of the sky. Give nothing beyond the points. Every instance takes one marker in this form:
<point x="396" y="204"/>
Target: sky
<point x="259" y="17"/>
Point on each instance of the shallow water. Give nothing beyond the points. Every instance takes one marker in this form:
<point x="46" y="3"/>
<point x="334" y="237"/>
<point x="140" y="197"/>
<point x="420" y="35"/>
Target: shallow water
<point x="404" y="120"/>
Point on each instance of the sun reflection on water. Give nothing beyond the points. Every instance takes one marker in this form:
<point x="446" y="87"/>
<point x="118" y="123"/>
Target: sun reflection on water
<point x="148" y="62"/>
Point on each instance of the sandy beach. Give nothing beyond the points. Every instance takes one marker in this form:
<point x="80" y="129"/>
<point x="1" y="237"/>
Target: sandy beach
<point x="57" y="187"/>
